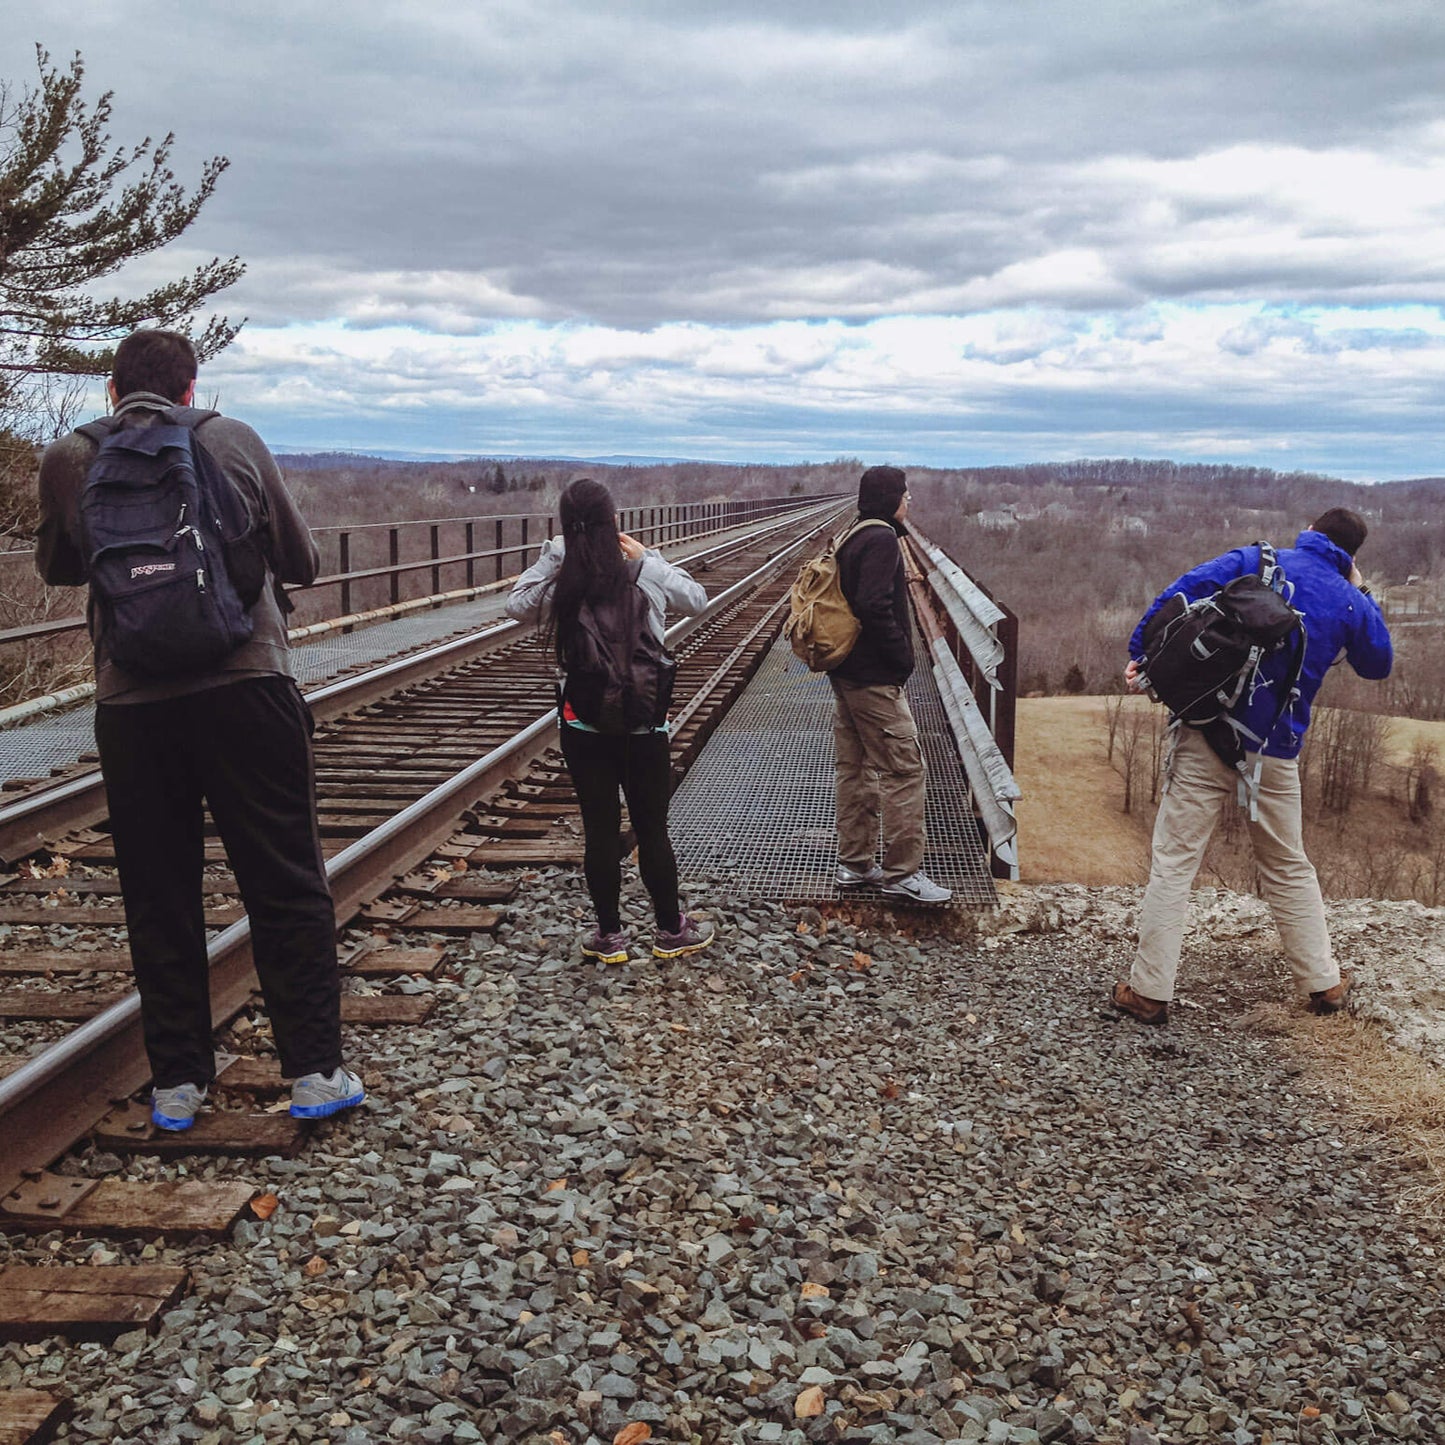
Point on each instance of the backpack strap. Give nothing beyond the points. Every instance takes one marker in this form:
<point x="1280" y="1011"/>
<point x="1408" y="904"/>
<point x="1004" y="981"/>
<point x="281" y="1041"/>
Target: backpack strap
<point x="858" y="527"/>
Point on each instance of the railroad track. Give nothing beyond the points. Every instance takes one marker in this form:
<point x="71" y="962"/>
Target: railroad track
<point x="448" y="756"/>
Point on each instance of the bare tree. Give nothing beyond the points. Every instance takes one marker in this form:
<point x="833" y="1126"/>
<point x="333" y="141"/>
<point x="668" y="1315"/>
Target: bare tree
<point x="1420" y="779"/>
<point x="1345" y="751"/>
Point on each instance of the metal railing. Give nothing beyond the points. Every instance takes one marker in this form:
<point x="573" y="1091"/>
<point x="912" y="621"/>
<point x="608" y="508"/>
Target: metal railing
<point x="973" y="643"/>
<point x="378" y="563"/>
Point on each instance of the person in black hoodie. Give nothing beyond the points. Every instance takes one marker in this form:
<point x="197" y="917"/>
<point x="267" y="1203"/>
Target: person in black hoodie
<point x="880" y="768"/>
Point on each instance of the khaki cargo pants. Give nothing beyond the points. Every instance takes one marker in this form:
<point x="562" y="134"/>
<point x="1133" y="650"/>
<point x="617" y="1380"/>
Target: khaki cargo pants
<point x="880" y="770"/>
<point x="1199" y="787"/>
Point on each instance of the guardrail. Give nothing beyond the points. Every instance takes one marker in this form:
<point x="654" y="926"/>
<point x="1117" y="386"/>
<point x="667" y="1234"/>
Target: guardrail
<point x="973" y="645"/>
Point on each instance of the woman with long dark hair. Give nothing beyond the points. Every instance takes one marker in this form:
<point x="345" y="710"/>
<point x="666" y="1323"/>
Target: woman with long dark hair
<point x="580" y="577"/>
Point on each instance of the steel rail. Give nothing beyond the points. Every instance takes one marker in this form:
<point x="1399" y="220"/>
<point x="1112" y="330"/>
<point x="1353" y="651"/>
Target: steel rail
<point x="77" y="802"/>
<point x="103" y="1060"/>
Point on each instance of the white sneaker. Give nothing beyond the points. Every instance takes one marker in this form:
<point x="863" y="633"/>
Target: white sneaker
<point x="849" y="877"/>
<point x="918" y="888"/>
<point x="319" y="1096"/>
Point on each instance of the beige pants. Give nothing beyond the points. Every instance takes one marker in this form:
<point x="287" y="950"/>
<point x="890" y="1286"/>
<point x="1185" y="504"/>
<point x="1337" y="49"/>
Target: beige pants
<point x="1199" y="787"/>
<point x="880" y="769"/>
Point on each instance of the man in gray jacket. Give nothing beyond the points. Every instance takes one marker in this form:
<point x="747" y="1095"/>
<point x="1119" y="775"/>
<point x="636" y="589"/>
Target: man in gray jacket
<point x="236" y="737"/>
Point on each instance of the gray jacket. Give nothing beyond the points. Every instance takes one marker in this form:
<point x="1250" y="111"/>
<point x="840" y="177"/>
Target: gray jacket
<point x="251" y="468"/>
<point x="664" y="584"/>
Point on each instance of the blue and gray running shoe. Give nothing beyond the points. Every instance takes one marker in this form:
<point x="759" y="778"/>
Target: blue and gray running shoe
<point x="176" y="1108"/>
<point x="319" y="1096"/>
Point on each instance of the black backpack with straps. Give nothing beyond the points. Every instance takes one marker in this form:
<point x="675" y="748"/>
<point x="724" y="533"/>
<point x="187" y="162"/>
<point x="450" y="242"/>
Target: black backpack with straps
<point x="1201" y="657"/>
<point x="174" y="556"/>
<point x="617" y="675"/>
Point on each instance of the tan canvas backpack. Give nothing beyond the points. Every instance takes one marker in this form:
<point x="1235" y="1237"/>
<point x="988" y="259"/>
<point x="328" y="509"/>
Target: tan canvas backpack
<point x="821" y="627"/>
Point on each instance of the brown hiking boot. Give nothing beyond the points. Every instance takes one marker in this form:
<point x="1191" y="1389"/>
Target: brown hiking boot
<point x="1146" y="1010"/>
<point x="1331" y="1000"/>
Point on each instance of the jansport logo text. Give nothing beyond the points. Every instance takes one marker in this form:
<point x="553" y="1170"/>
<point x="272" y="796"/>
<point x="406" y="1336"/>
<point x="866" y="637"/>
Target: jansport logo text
<point x="149" y="569"/>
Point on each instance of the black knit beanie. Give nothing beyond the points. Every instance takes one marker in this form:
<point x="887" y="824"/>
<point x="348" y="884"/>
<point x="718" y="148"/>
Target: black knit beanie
<point x="880" y="489"/>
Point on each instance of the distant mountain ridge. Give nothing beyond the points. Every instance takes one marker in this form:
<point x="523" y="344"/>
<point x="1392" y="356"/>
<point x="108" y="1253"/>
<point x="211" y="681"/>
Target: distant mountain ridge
<point x="306" y="460"/>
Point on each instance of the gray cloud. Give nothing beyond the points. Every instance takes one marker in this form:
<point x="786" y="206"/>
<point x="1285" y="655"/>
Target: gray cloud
<point x="732" y="163"/>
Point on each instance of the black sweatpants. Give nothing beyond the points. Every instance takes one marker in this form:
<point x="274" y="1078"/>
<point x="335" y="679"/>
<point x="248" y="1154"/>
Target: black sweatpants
<point x="638" y="766"/>
<point x="244" y="749"/>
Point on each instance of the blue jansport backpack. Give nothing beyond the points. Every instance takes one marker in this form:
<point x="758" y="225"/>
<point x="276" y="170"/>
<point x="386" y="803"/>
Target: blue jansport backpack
<point x="174" y="559"/>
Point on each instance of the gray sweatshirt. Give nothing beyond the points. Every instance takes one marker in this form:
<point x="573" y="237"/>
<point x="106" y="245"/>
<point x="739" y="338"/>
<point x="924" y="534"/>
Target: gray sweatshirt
<point x="244" y="459"/>
<point x="663" y="584"/>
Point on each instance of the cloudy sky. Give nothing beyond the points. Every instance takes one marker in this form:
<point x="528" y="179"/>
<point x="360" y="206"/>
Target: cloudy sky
<point x="959" y="233"/>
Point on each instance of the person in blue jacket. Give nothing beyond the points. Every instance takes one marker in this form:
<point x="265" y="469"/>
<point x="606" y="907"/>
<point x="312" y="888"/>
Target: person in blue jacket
<point x="1342" y="620"/>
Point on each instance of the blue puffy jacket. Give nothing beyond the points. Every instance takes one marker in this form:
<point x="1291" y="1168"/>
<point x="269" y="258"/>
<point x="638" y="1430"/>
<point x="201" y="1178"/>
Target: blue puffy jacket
<point x="1340" y="620"/>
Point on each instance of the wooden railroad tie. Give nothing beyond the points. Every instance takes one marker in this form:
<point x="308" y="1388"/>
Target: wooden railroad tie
<point x="39" y="1003"/>
<point x="127" y="1129"/>
<point x="122" y="1209"/>
<point x="386" y="1008"/>
<point x="69" y="960"/>
<point x="525" y="852"/>
<point x="393" y="962"/>
<point x="471" y="887"/>
<point x="74" y="914"/>
<point x="31" y="1417"/>
<point x="85" y="1302"/>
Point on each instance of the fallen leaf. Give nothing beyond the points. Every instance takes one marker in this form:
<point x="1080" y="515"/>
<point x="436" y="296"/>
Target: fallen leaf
<point x="556" y="1437"/>
<point x="796" y="977"/>
<point x="809" y="1403"/>
<point x="557" y="1184"/>
<point x="314" y="1266"/>
<point x="803" y="927"/>
<point x="890" y="1090"/>
<point x="814" y="1291"/>
<point x="633" y="1434"/>
<point x="679" y="1028"/>
<point x="862" y="961"/>
<point x="1311" y="1412"/>
<point x="263" y="1206"/>
<point x="581" y="1258"/>
<point x="972" y="1018"/>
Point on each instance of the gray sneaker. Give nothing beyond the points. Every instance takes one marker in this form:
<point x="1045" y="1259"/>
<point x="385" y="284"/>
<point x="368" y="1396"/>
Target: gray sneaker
<point x="319" y="1096"/>
<point x="917" y="888"/>
<point x="848" y="876"/>
<point x="177" y="1108"/>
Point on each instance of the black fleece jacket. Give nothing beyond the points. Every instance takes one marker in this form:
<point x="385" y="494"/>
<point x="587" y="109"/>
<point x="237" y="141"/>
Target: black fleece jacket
<point x="870" y="571"/>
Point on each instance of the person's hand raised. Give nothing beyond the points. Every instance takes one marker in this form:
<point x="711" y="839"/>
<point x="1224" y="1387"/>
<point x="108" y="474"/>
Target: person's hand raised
<point x="632" y="549"/>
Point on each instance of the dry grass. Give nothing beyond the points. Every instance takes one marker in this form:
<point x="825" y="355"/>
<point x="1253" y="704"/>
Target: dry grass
<point x="1377" y="1090"/>
<point x="1070" y="826"/>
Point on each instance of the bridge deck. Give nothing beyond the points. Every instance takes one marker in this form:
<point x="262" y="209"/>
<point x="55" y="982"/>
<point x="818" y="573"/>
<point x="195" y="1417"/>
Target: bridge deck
<point x="756" y="810"/>
<point x="32" y="749"/>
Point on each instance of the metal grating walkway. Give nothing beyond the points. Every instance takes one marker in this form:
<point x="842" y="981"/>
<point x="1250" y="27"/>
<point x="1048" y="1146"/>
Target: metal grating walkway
<point x="755" y="811"/>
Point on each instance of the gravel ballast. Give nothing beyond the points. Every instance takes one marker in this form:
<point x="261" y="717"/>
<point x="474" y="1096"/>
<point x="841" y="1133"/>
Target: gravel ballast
<point x="835" y="1180"/>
